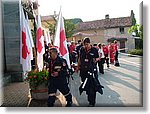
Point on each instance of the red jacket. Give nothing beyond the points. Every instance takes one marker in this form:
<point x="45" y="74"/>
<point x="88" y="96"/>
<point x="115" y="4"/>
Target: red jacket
<point x="116" y="47"/>
<point x="105" y="50"/>
<point x="111" y="48"/>
<point x="72" y="48"/>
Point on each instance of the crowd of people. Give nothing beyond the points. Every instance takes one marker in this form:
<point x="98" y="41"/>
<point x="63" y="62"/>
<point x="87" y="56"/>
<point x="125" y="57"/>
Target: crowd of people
<point x="107" y="53"/>
<point x="88" y="59"/>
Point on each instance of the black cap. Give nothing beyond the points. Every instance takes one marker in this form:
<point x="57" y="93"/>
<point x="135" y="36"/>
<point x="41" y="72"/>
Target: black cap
<point x="54" y="49"/>
<point x="79" y="41"/>
<point x="86" y="40"/>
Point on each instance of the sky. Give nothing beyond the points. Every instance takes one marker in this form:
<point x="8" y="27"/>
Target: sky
<point x="89" y="10"/>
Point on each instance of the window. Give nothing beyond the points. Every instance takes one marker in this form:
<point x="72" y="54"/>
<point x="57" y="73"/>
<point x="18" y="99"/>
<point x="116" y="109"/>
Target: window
<point x="122" y="30"/>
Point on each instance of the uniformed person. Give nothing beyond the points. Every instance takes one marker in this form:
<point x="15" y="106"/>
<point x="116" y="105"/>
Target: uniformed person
<point x="101" y="59"/>
<point x="78" y="47"/>
<point x="57" y="78"/>
<point x="106" y="52"/>
<point x="45" y="55"/>
<point x="87" y="65"/>
<point x="116" y="53"/>
<point x="111" y="52"/>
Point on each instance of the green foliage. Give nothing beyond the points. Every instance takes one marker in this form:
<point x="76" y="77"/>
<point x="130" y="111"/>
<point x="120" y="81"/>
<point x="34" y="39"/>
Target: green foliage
<point x="136" y="52"/>
<point x="76" y="20"/>
<point x="133" y="21"/>
<point x="141" y="31"/>
<point x="135" y="29"/>
<point x="52" y="28"/>
<point x="69" y="28"/>
<point x="36" y="78"/>
<point x="138" y="29"/>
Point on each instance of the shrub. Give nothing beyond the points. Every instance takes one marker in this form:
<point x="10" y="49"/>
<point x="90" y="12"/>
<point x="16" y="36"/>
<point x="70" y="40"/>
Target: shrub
<point x="136" y="52"/>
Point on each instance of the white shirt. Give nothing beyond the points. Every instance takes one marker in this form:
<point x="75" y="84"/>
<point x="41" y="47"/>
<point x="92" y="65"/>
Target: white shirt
<point x="100" y="51"/>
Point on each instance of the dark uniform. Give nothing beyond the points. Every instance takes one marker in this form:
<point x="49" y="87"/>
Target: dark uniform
<point x="46" y="55"/>
<point x="58" y="82"/>
<point x="77" y="49"/>
<point x="87" y="69"/>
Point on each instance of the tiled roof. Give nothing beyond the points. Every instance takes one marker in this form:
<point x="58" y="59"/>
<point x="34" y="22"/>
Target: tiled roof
<point x="46" y="18"/>
<point x="105" y="23"/>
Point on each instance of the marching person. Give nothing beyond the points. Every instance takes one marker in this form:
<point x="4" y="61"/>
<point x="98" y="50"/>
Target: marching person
<point x="111" y="52"/>
<point x="116" y="53"/>
<point x="106" y="52"/>
<point x="45" y="55"/>
<point x="50" y="45"/>
<point x="78" y="47"/>
<point x="101" y="59"/>
<point x="88" y="57"/>
<point x="57" y="78"/>
<point x="95" y="45"/>
<point x="72" y="52"/>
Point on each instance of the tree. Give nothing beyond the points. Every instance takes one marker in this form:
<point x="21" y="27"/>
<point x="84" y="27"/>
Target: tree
<point x="52" y="28"/>
<point x="137" y="29"/>
<point x="69" y="28"/>
<point x="141" y="31"/>
<point x="134" y="29"/>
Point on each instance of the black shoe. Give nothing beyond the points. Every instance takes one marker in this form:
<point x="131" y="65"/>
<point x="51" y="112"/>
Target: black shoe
<point x="50" y="105"/>
<point x="101" y="72"/>
<point x="91" y="105"/>
<point x="117" y="64"/>
<point x="69" y="104"/>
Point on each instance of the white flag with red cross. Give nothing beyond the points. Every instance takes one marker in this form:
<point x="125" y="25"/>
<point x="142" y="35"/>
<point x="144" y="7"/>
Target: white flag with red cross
<point x="25" y="44"/>
<point x="39" y="44"/>
<point x="60" y="40"/>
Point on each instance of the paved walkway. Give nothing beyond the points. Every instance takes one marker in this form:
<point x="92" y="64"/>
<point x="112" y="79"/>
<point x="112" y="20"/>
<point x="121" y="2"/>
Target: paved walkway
<point x="123" y="87"/>
<point x="16" y="95"/>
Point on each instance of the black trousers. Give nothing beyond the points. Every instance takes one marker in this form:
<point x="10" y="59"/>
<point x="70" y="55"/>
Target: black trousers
<point x="59" y="83"/>
<point x="106" y="59"/>
<point x="90" y="91"/>
<point x="116" y="59"/>
<point x="73" y="58"/>
<point x="116" y="56"/>
<point x="101" y="65"/>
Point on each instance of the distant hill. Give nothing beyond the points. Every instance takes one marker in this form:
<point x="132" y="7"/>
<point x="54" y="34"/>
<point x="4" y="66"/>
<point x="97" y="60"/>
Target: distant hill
<point x="76" y="20"/>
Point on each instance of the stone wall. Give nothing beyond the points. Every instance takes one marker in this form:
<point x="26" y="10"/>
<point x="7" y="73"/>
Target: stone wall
<point x="1" y="88"/>
<point x="11" y="37"/>
<point x="112" y="32"/>
<point x="97" y="36"/>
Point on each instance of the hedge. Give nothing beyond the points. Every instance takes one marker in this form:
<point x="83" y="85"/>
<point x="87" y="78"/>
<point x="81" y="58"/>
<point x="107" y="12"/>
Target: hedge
<point x="136" y="52"/>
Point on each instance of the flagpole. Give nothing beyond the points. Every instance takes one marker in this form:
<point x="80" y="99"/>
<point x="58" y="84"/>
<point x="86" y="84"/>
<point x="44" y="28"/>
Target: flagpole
<point x="34" y="50"/>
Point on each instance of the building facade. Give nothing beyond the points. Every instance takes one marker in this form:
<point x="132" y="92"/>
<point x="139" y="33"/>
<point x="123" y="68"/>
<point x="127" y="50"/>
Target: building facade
<point x="107" y="30"/>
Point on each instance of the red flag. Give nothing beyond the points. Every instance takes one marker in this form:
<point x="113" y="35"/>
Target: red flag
<point x="60" y="39"/>
<point x="39" y="44"/>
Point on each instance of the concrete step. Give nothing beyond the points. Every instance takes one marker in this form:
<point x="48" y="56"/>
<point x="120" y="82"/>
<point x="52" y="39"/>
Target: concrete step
<point x="6" y="79"/>
<point x="11" y="77"/>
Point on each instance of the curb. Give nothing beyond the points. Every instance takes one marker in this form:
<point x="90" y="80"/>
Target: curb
<point x="130" y="55"/>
